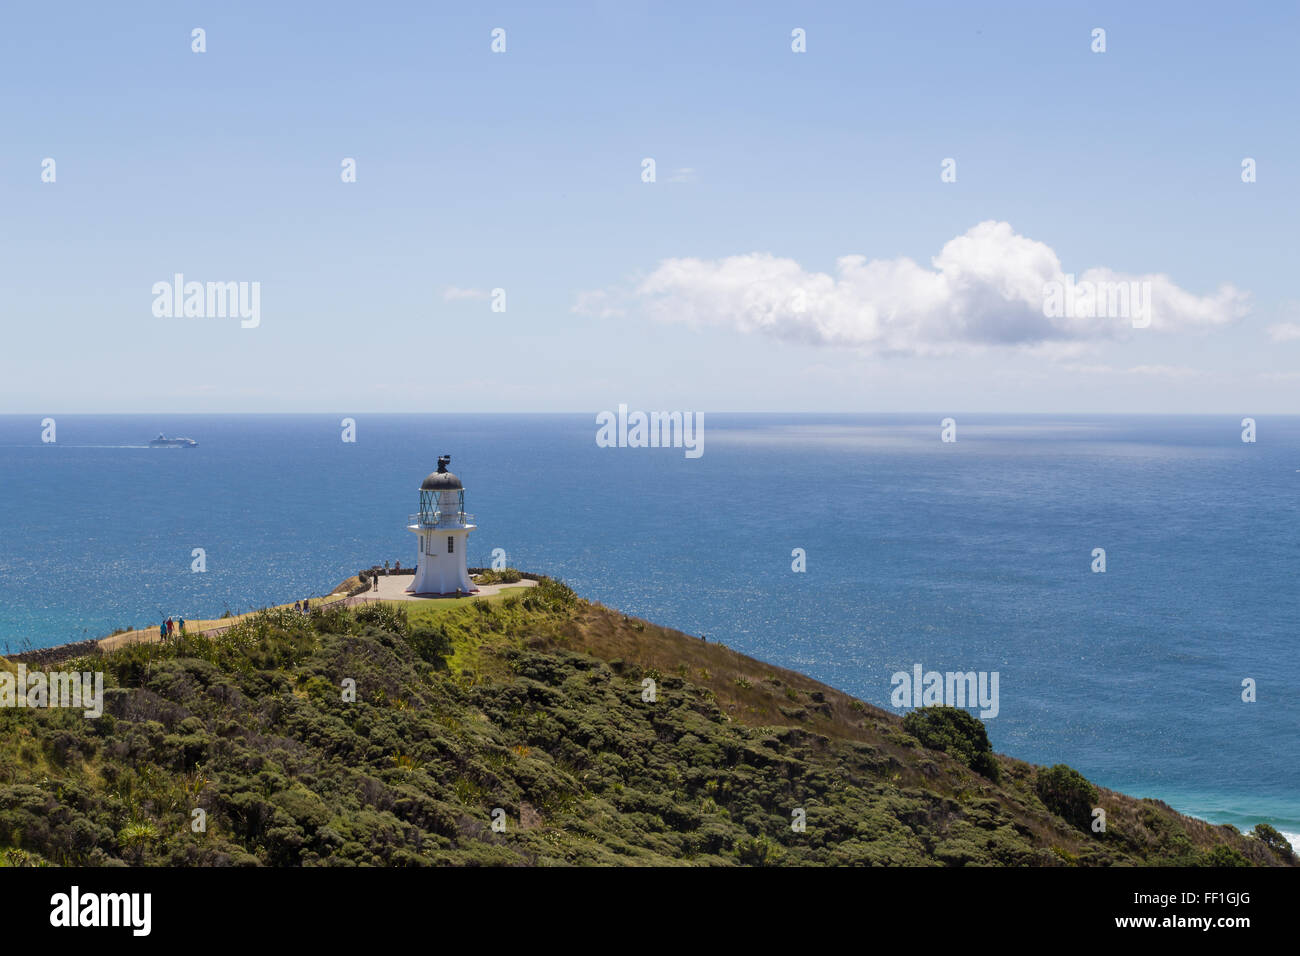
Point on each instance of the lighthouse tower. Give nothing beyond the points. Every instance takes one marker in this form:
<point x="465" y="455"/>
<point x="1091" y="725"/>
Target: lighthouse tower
<point x="443" y="530"/>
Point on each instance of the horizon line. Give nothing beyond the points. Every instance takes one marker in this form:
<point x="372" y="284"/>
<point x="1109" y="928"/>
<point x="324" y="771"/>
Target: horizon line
<point x="589" y="412"/>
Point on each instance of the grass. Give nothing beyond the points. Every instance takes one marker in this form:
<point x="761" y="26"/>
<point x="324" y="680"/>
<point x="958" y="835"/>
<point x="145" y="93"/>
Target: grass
<point x="430" y="609"/>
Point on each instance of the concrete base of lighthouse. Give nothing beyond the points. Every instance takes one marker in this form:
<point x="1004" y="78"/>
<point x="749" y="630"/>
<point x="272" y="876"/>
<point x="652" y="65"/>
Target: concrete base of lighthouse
<point x="441" y="567"/>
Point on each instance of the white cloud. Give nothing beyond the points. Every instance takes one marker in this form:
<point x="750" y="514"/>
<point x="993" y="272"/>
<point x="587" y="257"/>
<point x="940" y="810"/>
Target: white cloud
<point x="1144" y="371"/>
<point x="1164" y="371"/>
<point x="597" y="302"/>
<point x="453" y="293"/>
<point x="985" y="289"/>
<point x="1284" y="331"/>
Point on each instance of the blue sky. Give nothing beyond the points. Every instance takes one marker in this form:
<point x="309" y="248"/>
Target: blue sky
<point x="522" y="171"/>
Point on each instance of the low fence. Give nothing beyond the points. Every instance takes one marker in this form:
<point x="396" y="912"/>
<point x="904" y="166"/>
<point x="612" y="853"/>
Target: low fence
<point x="51" y="655"/>
<point x="529" y="575"/>
<point x="396" y="572"/>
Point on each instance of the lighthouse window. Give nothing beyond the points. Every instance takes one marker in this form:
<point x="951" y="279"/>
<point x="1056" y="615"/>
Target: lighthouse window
<point x="450" y="543"/>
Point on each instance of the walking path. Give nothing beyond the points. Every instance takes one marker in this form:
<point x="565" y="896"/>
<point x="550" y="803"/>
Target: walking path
<point x="391" y="588"/>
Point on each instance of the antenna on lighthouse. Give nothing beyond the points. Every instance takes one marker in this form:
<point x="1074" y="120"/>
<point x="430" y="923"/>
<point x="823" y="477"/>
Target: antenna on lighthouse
<point x="443" y="462"/>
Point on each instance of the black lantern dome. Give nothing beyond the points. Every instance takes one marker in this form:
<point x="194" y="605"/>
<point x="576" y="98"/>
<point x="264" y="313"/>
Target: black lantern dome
<point x="442" y="479"/>
<point x="442" y="499"/>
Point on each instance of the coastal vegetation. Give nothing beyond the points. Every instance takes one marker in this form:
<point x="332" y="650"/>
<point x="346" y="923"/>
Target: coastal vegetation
<point x="503" y="576"/>
<point x="956" y="732"/>
<point x="534" y="728"/>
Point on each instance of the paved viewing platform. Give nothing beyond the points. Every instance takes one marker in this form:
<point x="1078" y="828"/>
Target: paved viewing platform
<point x="392" y="587"/>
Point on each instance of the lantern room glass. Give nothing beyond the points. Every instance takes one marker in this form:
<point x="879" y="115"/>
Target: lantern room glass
<point x="431" y="512"/>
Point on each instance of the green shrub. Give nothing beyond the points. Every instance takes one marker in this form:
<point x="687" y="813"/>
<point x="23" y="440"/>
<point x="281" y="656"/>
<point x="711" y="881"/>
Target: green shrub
<point x="1223" y="856"/>
<point x="549" y="595"/>
<point x="957" y="733"/>
<point x="504" y="576"/>
<point x="432" y="644"/>
<point x="759" y="851"/>
<point x="1068" y="794"/>
<point x="386" y="617"/>
<point x="1274" y="840"/>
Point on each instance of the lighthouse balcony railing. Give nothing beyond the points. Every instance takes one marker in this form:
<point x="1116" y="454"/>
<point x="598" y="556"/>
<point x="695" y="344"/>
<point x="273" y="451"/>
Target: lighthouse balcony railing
<point x="440" y="519"/>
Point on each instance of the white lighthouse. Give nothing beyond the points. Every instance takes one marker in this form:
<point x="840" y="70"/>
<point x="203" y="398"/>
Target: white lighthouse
<point x="443" y="528"/>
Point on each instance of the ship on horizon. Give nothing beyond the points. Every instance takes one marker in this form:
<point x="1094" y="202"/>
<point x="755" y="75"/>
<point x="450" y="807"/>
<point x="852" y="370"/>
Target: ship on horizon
<point x="163" y="442"/>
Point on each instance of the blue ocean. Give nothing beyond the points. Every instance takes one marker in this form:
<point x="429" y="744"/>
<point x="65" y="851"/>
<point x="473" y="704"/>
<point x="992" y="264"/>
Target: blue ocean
<point x="974" y="555"/>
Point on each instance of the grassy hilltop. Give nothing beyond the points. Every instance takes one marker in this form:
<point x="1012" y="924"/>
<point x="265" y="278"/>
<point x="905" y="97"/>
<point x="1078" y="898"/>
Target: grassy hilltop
<point x="531" y="702"/>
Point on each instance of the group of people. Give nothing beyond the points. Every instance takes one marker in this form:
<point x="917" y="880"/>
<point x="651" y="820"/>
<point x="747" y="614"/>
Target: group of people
<point x="170" y="628"/>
